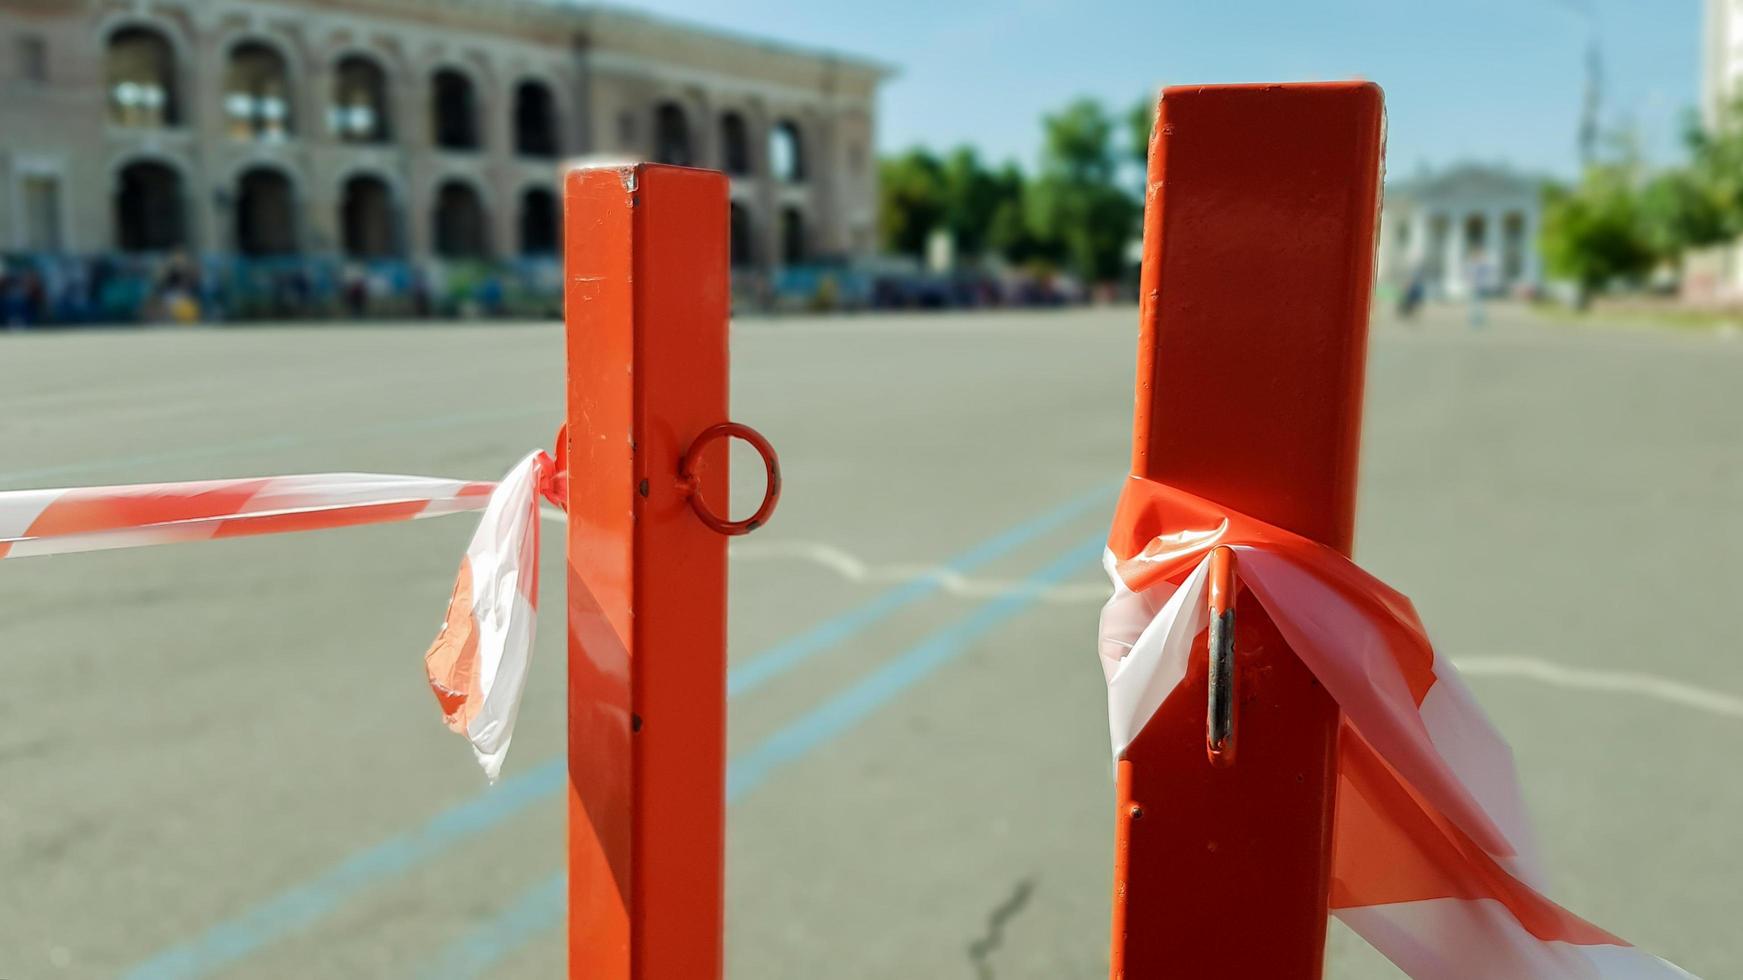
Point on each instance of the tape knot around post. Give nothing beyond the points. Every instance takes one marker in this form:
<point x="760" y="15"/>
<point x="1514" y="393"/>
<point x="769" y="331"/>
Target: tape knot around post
<point x="553" y="472"/>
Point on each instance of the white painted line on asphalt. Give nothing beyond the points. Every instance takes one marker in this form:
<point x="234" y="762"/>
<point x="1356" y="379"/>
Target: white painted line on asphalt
<point x="855" y="569"/>
<point x="1614" y="681"/>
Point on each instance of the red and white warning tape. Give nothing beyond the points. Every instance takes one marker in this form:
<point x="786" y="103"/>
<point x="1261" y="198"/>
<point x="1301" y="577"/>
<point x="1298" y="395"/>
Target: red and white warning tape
<point x="1434" y="861"/>
<point x="1434" y="858"/>
<point x="477" y="665"/>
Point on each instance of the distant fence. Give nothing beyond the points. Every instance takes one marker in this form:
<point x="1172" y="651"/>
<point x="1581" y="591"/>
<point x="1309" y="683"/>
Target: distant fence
<point x="41" y="289"/>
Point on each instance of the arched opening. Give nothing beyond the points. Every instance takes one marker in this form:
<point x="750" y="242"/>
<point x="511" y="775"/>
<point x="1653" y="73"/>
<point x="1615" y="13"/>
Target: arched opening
<point x="148" y="208"/>
<point x="360" y="112"/>
<point x="734" y="144"/>
<point x="539" y="221"/>
<point x="460" y="227"/>
<point x="141" y="70"/>
<point x="671" y="135"/>
<point x="1476" y="235"/>
<point x="257" y="93"/>
<point x="793" y="250"/>
<point x="265" y="213"/>
<point x="535" y="120"/>
<point x="454" y="110"/>
<point x="366" y="224"/>
<point x="786" y="152"/>
<point x="743" y="237"/>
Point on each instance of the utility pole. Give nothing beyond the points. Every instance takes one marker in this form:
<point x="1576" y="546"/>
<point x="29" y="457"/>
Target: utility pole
<point x="1591" y="102"/>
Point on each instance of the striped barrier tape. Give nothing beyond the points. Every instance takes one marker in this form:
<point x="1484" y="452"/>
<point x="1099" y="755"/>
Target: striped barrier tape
<point x="477" y="665"/>
<point x="1434" y="860"/>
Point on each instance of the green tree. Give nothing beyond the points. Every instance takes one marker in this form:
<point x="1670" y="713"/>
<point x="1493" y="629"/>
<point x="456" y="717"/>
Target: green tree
<point x="972" y="196"/>
<point x="1140" y="119"/>
<point x="1077" y="143"/>
<point x="1010" y="231"/>
<point x="1078" y="209"/>
<point x="1681" y="210"/>
<point x="912" y="201"/>
<point x="1702" y="204"/>
<point x="1596" y="233"/>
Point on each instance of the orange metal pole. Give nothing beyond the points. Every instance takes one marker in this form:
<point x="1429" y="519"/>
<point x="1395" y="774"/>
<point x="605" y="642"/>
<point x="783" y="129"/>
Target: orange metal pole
<point x="646" y="306"/>
<point x="1258" y="266"/>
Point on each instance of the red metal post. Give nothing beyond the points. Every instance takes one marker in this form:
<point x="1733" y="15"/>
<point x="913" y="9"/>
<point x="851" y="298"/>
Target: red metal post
<point x="1258" y="265"/>
<point x="646" y="303"/>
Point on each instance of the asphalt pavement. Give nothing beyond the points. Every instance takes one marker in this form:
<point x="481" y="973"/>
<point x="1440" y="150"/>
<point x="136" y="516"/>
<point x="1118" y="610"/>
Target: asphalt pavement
<point x="222" y="759"/>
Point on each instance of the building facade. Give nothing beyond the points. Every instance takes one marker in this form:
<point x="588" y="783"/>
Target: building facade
<point x="1721" y="56"/>
<point x="1715" y="275"/>
<point x="408" y="129"/>
<point x="1452" y="227"/>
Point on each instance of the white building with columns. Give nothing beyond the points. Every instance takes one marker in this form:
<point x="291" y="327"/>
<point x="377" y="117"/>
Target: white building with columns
<point x="1444" y="226"/>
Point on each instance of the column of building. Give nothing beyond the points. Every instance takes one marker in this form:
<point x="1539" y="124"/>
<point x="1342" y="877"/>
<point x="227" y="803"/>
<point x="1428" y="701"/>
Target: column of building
<point x="766" y="215"/>
<point x="411" y="97"/>
<point x="325" y="191"/>
<point x="1451" y="267"/>
<point x="502" y="172"/>
<point x="212" y="217"/>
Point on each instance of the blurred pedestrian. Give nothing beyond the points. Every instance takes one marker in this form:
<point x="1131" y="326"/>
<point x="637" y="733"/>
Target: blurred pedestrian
<point x="356" y="291"/>
<point x="177" y="299"/>
<point x="1411" y="298"/>
<point x="11" y="298"/>
<point x="1480" y="276"/>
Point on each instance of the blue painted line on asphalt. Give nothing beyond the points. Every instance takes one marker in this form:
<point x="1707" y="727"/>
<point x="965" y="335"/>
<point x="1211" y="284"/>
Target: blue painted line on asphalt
<point x="785" y="656"/>
<point x="302" y="905"/>
<point x="533" y="913"/>
<point x="878" y="688"/>
<point x="540" y="908"/>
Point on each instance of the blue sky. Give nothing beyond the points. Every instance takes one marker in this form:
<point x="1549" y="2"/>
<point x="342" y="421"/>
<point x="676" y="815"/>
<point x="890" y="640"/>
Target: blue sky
<point x="1489" y="80"/>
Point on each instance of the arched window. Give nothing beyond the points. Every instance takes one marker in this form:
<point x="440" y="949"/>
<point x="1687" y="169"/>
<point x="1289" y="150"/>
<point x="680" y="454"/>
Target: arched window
<point x="671" y="135"/>
<point x="734" y="145"/>
<point x="460" y="226"/>
<point x="454" y="110"/>
<point x="793" y="250"/>
<point x="535" y="120"/>
<point x="141" y="69"/>
<point x="539" y="221"/>
<point x="257" y="93"/>
<point x="360" y="112"/>
<point x="366" y="219"/>
<point x="1476" y="235"/>
<point x="149" y="208"/>
<point x="786" y="152"/>
<point x="743" y="237"/>
<point x="265" y="213"/>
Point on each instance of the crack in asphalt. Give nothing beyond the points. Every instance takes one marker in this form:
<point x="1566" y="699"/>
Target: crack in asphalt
<point x="994" y="937"/>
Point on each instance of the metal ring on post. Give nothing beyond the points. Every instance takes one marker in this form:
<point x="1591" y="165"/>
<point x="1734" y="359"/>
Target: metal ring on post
<point x="693" y="485"/>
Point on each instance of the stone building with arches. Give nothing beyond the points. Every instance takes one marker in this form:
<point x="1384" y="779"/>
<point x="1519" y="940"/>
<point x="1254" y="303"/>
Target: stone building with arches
<point x="408" y="129"/>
